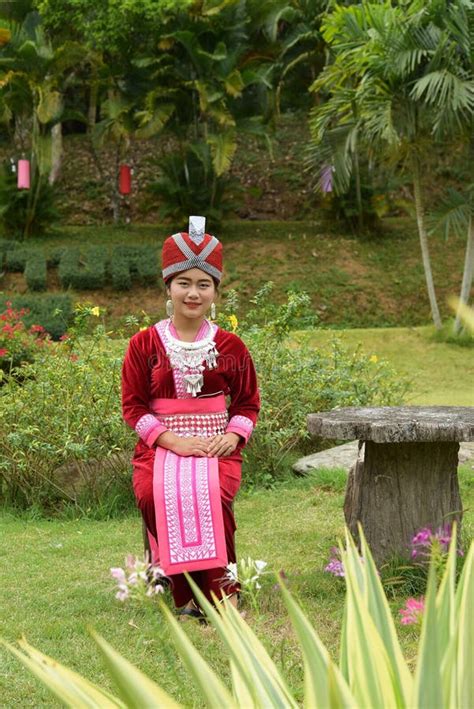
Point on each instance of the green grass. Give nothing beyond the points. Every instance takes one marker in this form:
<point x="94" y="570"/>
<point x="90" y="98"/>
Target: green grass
<point x="55" y="583"/>
<point x="441" y="374"/>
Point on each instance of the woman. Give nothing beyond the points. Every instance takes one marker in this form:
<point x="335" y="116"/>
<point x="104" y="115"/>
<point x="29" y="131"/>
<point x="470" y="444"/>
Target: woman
<point x="189" y="390"/>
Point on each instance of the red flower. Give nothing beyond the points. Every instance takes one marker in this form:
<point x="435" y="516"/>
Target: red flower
<point x="64" y="337"/>
<point x="3" y="352"/>
<point x="37" y="328"/>
<point x="74" y="358"/>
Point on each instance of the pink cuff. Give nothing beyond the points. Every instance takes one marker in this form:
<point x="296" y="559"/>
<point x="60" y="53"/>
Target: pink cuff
<point x="241" y="425"/>
<point x="149" y="428"/>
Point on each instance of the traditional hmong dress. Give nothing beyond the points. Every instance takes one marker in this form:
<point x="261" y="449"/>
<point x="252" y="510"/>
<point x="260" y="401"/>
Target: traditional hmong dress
<point x="186" y="502"/>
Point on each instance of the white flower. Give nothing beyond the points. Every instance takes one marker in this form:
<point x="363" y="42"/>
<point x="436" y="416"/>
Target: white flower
<point x="232" y="573"/>
<point x="122" y="593"/>
<point x="260" y="565"/>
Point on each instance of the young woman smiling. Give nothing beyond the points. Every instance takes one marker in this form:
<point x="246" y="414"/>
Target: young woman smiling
<point x="190" y="391"/>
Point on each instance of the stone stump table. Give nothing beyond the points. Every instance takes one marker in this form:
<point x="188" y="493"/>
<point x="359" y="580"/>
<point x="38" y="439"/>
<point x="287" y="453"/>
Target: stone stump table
<point x="408" y="477"/>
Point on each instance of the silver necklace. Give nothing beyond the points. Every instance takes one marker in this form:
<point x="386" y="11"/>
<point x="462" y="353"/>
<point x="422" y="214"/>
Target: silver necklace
<point x="189" y="358"/>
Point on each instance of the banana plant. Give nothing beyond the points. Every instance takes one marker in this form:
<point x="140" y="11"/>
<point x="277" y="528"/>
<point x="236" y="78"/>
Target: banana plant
<point x="372" y="671"/>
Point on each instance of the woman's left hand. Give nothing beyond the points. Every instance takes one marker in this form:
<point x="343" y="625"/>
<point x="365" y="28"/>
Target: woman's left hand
<point x="221" y="446"/>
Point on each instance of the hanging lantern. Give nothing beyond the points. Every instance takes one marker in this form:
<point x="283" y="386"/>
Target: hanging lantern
<point x="125" y="179"/>
<point x="23" y="181"/>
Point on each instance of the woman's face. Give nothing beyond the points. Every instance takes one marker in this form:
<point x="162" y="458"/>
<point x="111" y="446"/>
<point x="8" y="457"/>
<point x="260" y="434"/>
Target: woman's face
<point x="192" y="293"/>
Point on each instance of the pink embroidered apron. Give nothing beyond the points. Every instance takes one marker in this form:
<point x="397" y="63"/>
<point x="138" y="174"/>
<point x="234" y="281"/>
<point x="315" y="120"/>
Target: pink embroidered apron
<point x="186" y="490"/>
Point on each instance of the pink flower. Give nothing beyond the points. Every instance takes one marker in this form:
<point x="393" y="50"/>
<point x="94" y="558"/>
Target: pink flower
<point x="118" y="574"/>
<point x="413" y="611"/>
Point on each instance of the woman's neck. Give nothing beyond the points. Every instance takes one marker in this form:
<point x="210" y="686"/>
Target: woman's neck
<point x="186" y="328"/>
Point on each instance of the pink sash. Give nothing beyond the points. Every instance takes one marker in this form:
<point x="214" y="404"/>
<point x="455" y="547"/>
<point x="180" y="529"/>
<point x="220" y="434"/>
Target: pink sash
<point x="186" y="491"/>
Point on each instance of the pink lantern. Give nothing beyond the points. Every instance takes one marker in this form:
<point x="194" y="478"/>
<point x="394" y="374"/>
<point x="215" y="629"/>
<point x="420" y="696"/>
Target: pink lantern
<point x="23" y="182"/>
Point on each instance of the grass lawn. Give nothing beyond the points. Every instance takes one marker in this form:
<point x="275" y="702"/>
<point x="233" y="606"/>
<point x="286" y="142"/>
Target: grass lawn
<point x="440" y="373"/>
<point x="55" y="583"/>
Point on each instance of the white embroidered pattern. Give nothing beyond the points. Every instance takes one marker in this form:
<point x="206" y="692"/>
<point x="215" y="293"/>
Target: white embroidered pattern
<point x="178" y="376"/>
<point x="145" y="425"/>
<point x="186" y="425"/>
<point x="242" y="422"/>
<point x="205" y="548"/>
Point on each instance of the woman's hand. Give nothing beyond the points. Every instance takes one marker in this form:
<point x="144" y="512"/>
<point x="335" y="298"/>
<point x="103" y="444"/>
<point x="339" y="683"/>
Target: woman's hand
<point x="194" y="445"/>
<point x="222" y="446"/>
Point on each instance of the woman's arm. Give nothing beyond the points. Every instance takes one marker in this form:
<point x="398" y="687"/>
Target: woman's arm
<point x="136" y="373"/>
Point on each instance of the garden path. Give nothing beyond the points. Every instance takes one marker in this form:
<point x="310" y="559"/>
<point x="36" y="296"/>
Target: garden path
<point x="344" y="456"/>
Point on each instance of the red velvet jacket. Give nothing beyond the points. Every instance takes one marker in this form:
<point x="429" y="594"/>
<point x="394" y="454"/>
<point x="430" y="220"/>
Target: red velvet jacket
<point x="147" y="375"/>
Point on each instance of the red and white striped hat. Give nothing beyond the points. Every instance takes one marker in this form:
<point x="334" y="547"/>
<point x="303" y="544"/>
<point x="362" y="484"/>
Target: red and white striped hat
<point x="195" y="249"/>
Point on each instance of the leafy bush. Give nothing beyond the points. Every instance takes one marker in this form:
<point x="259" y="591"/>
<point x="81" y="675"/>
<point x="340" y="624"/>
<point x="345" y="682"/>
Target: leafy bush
<point x="137" y="263"/>
<point x="16" y="206"/>
<point x="35" y="270"/>
<point x="16" y="259"/>
<point x="53" y="312"/>
<point x="6" y="245"/>
<point x="372" y="671"/>
<point x="18" y="343"/>
<point x="65" y="413"/>
<point x="83" y="269"/>
<point x="296" y="380"/>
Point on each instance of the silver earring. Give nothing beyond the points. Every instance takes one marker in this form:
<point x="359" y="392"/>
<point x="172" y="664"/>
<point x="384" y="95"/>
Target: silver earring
<point x="213" y="311"/>
<point x="169" y="308"/>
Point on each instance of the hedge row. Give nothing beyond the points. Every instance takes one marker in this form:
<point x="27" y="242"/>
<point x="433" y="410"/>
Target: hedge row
<point x="87" y="268"/>
<point x="133" y="263"/>
<point x="53" y="312"/>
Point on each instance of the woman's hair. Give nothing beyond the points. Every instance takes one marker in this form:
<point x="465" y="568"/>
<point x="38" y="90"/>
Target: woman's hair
<point x="171" y="278"/>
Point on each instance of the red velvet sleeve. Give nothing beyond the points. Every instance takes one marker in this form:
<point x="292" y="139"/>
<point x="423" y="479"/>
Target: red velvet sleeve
<point x="244" y="394"/>
<point x="136" y="372"/>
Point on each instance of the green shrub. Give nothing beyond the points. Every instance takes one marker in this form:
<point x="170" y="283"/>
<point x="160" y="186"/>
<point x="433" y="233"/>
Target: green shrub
<point x="6" y="245"/>
<point x="83" y="269"/>
<point x="18" y="343"/>
<point x="296" y="380"/>
<point x="15" y="260"/>
<point x="120" y="268"/>
<point x="55" y="255"/>
<point x="53" y="312"/>
<point x="16" y="217"/>
<point x="64" y="415"/>
<point x="133" y="263"/>
<point x="36" y="270"/>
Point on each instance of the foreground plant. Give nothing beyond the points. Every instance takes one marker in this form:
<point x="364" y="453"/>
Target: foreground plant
<point x="248" y="573"/>
<point x="139" y="580"/>
<point x="372" y="671"/>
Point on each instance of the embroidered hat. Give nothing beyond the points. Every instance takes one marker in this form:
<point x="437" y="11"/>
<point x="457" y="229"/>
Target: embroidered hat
<point x="195" y="249"/>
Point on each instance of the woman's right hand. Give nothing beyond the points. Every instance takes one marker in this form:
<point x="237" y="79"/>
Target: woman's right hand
<point x="194" y="445"/>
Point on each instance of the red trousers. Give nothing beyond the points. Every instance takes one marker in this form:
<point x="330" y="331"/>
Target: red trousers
<point x="210" y="581"/>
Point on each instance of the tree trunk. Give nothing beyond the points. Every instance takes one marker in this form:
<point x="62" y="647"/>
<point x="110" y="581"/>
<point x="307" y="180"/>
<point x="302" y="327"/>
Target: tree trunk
<point x="56" y="152"/>
<point x="400" y="488"/>
<point x="92" y="109"/>
<point x="468" y="273"/>
<point x="115" y="189"/>
<point x="420" y="218"/>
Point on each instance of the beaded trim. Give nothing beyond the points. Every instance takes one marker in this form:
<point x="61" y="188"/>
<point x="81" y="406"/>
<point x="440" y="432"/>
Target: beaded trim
<point x="186" y="425"/>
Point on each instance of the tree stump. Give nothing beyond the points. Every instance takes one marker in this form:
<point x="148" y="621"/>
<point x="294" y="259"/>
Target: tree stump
<point x="408" y="478"/>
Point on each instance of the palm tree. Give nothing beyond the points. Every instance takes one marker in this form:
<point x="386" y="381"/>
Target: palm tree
<point x="382" y="54"/>
<point x="448" y="88"/>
